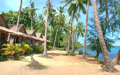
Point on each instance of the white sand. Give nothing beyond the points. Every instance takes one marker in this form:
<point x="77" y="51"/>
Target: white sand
<point x="59" y="64"/>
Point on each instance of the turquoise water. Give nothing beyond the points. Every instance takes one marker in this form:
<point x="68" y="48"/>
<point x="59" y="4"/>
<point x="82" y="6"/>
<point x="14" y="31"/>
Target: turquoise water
<point x="112" y="54"/>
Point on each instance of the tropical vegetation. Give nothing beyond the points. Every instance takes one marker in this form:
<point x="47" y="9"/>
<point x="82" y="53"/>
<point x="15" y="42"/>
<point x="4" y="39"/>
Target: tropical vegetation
<point x="64" y="31"/>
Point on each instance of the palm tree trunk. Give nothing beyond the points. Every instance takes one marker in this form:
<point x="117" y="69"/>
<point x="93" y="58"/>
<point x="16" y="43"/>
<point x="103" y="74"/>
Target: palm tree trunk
<point x="66" y="43"/>
<point x="71" y="29"/>
<point x="84" y="51"/>
<point x="59" y="38"/>
<point x="107" y="62"/>
<point x="73" y="46"/>
<point x="31" y="23"/>
<point x="45" y="40"/>
<point x="73" y="34"/>
<point x="50" y="32"/>
<point x="116" y="59"/>
<point x="106" y="8"/>
<point x="76" y="39"/>
<point x="19" y="16"/>
<point x="97" y="54"/>
<point x="55" y="37"/>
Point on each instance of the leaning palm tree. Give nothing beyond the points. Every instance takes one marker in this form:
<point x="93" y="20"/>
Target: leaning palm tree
<point x="73" y="46"/>
<point x="80" y="30"/>
<point x="84" y="51"/>
<point x="107" y="61"/>
<point x="32" y="12"/>
<point x="74" y="4"/>
<point x="19" y="16"/>
<point x="45" y="42"/>
<point x="60" y="22"/>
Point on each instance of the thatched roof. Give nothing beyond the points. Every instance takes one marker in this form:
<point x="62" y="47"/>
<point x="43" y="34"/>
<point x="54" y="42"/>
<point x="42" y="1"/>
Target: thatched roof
<point x="18" y="33"/>
<point x="38" y="35"/>
<point x="12" y="32"/>
<point x="35" y="38"/>
<point x="3" y="22"/>
<point x="31" y="32"/>
<point x="13" y="27"/>
<point x="47" y="40"/>
<point x="43" y="37"/>
<point x="4" y="27"/>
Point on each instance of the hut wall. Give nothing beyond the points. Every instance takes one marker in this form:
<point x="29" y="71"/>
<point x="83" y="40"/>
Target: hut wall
<point x="12" y="38"/>
<point x="37" y="43"/>
<point x="41" y="43"/>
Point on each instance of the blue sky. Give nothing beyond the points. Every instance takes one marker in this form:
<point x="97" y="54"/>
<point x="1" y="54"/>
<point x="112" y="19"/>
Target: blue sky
<point x="6" y="5"/>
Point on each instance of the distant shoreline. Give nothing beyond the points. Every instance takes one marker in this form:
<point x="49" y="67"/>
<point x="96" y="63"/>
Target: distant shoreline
<point x="116" y="46"/>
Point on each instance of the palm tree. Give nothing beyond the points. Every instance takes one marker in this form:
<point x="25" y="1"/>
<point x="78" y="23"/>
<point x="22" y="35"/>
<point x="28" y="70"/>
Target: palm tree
<point x="52" y="13"/>
<point x="32" y="12"/>
<point x="45" y="42"/>
<point x="84" y="51"/>
<point x="74" y="4"/>
<point x="41" y="23"/>
<point x="64" y="28"/>
<point x="80" y="31"/>
<point x="73" y="46"/>
<point x="116" y="59"/>
<point x="55" y="37"/>
<point x="107" y="62"/>
<point x="60" y="21"/>
<point x="19" y="16"/>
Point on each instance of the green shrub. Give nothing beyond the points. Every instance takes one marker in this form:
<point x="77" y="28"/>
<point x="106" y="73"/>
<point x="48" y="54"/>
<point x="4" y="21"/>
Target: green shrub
<point x="49" y="47"/>
<point x="9" y="49"/>
<point x="39" y="49"/>
<point x="19" y="49"/>
<point x="73" y="54"/>
<point x="3" y="57"/>
<point x="27" y="49"/>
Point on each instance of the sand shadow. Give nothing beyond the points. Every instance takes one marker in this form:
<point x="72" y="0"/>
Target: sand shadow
<point x="94" y="61"/>
<point x="56" y="54"/>
<point x="38" y="67"/>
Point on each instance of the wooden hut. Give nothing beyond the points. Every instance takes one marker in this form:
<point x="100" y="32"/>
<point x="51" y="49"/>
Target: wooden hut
<point x="3" y="34"/>
<point x="21" y="29"/>
<point x="39" y="35"/>
<point x="31" y="33"/>
<point x="8" y="34"/>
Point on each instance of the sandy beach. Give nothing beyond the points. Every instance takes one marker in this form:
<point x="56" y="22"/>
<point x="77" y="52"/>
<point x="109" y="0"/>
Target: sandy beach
<point x="56" y="64"/>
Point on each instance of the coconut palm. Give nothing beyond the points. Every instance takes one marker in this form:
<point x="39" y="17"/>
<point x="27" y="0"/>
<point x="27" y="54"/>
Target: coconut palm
<point x="19" y="15"/>
<point x="45" y="42"/>
<point x="52" y="13"/>
<point x="41" y="23"/>
<point x="74" y="4"/>
<point x="60" y="22"/>
<point x="107" y="62"/>
<point x="32" y="11"/>
<point x="84" y="51"/>
<point x="65" y="29"/>
<point x="73" y="46"/>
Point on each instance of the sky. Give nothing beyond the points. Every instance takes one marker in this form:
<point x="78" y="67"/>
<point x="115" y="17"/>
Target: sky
<point x="6" y="5"/>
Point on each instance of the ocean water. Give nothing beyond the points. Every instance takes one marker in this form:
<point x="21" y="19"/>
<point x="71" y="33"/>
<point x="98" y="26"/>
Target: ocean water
<point x="112" y="54"/>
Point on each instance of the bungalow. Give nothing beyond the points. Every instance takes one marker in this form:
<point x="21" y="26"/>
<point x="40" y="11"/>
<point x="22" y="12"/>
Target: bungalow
<point x="21" y="29"/>
<point x="8" y="34"/>
<point x="32" y="34"/>
<point x="39" y="35"/>
<point x="5" y="32"/>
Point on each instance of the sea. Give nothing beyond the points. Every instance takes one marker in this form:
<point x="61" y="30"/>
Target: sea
<point x="112" y="54"/>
